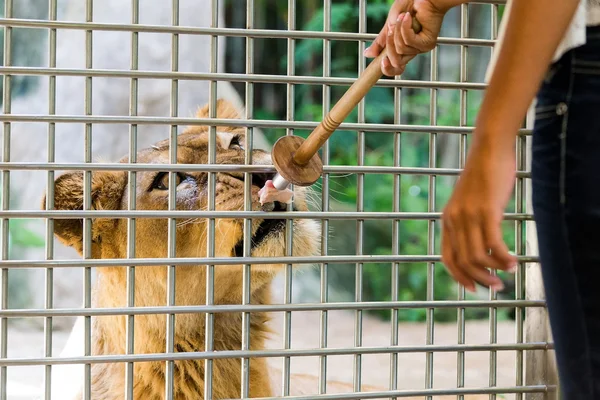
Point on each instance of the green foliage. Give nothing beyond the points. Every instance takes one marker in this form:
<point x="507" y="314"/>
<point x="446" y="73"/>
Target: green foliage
<point x="378" y="190"/>
<point x="20" y="238"/>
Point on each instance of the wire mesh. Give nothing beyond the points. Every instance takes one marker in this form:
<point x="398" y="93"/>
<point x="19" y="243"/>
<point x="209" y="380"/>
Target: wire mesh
<point x="363" y="377"/>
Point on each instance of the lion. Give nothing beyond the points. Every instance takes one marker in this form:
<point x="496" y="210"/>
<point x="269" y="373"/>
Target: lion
<point x="109" y="241"/>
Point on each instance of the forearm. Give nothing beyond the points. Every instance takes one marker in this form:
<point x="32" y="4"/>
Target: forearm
<point x="533" y="33"/>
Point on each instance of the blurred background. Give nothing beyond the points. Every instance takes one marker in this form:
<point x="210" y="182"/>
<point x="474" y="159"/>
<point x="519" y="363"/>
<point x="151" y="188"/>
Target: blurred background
<point x="111" y="50"/>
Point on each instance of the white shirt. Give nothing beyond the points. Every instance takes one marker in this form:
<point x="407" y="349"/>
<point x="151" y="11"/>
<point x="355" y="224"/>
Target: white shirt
<point x="587" y="14"/>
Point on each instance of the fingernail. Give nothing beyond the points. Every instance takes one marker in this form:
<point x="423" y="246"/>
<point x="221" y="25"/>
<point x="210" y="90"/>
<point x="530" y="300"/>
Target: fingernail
<point x="497" y="286"/>
<point x="512" y="268"/>
<point x="366" y="50"/>
<point x="400" y="16"/>
<point x="383" y="60"/>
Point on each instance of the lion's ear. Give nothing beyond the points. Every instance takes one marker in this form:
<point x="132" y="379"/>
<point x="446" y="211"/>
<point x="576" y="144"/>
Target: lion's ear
<point x="106" y="192"/>
<point x="225" y="110"/>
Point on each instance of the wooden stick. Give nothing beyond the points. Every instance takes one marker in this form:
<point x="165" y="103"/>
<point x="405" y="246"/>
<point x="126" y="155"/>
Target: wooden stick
<point x="344" y="107"/>
<point x="295" y="158"/>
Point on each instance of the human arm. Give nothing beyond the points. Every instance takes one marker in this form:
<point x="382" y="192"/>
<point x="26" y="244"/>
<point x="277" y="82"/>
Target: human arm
<point x="472" y="218"/>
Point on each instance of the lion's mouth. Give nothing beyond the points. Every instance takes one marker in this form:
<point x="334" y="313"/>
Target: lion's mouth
<point x="266" y="228"/>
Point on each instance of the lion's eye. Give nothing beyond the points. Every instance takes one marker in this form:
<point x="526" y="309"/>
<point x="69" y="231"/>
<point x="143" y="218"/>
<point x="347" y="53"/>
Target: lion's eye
<point x="161" y="182"/>
<point x="235" y="143"/>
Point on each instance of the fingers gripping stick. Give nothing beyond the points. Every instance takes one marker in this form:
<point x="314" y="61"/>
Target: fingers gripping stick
<point x="296" y="159"/>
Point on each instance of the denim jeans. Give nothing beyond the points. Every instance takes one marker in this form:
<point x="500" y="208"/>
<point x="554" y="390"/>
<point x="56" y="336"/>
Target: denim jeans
<point x="566" y="207"/>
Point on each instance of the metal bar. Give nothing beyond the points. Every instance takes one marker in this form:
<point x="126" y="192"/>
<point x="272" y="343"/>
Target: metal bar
<point x="431" y="206"/>
<point x="464" y="25"/>
<point x="213" y="31"/>
<point x="172" y="223"/>
<point x="226" y="308"/>
<point x="520" y="248"/>
<point x="131" y="203"/>
<point x="87" y="203"/>
<point x="290" y="116"/>
<point x="231" y="77"/>
<point x="88" y="119"/>
<point x="247" y="245"/>
<point x="360" y="207"/>
<point x="396" y="207"/>
<point x="120" y="262"/>
<point x="231" y="354"/>
<point x="420" y="393"/>
<point x="211" y="194"/>
<point x="5" y="202"/>
<point x="49" y="250"/>
<point x="493" y="315"/>
<point x="92" y="214"/>
<point x="329" y="169"/>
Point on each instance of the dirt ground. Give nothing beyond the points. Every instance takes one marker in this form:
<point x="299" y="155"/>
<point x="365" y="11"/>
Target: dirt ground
<point x="26" y="342"/>
<point x="305" y="334"/>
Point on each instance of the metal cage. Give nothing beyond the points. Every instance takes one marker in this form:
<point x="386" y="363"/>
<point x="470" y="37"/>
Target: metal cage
<point x="525" y="352"/>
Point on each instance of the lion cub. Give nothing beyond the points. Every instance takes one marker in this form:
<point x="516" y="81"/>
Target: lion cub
<point x="109" y="241"/>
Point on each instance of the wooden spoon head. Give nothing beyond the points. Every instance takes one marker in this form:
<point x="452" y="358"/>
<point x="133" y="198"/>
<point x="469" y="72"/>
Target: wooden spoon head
<point x="283" y="159"/>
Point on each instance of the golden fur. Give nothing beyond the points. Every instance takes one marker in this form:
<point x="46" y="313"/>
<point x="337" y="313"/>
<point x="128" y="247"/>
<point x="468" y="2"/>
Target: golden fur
<point x="109" y="240"/>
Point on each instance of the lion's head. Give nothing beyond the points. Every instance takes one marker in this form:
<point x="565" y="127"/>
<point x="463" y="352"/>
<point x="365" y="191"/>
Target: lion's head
<point x="109" y="191"/>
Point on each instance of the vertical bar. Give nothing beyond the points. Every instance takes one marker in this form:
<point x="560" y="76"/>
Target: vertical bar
<point x="287" y="299"/>
<point x="172" y="228"/>
<point x="210" y="237"/>
<point x="324" y="267"/>
<point x="520" y="248"/>
<point x="87" y="186"/>
<point x="289" y="224"/>
<point x="396" y="207"/>
<point x="431" y="224"/>
<point x="4" y="222"/>
<point x="464" y="24"/>
<point x="360" y="206"/>
<point x="287" y="278"/>
<point x="247" y="249"/>
<point x="493" y="294"/>
<point x="49" y="281"/>
<point x="131" y="201"/>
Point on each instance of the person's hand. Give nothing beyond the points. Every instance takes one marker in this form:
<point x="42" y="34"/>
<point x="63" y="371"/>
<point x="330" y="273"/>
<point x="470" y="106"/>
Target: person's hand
<point x="402" y="43"/>
<point x="471" y="221"/>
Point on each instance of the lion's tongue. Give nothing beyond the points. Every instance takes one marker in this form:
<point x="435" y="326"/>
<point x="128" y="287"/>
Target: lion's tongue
<point x="270" y="194"/>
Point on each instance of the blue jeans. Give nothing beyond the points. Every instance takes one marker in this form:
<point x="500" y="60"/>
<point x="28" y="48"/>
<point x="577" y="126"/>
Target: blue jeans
<point x="566" y="207"/>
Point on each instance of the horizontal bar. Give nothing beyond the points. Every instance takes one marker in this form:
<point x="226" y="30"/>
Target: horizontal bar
<point x="116" y="262"/>
<point x="260" y="123"/>
<point x="229" y="77"/>
<point x="233" y="32"/>
<point x="354" y="215"/>
<point x="420" y="393"/>
<point x="327" y="169"/>
<point x="230" y="308"/>
<point x="224" y="354"/>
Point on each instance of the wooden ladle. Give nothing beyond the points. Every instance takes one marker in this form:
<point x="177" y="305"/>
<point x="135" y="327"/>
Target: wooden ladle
<point x="295" y="158"/>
